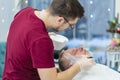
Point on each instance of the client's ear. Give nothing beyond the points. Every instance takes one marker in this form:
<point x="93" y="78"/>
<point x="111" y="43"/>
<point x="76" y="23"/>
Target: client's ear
<point x="61" y="53"/>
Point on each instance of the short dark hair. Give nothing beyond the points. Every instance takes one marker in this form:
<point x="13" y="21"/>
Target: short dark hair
<point x="61" y="62"/>
<point x="66" y="8"/>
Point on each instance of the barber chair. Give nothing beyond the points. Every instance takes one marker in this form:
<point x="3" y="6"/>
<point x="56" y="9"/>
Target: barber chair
<point x="57" y="52"/>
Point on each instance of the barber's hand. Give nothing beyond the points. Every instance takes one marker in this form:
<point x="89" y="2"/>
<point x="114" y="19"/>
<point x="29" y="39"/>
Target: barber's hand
<point x="85" y="63"/>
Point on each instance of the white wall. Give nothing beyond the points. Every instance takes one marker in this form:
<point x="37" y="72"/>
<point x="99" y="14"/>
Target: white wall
<point x="6" y="15"/>
<point x="117" y="8"/>
<point x="7" y="11"/>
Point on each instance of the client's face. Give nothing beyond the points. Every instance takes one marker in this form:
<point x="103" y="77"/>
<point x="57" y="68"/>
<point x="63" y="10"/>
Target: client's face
<point x="65" y="58"/>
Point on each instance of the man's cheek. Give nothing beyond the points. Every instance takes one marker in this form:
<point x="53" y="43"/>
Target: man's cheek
<point x="78" y="55"/>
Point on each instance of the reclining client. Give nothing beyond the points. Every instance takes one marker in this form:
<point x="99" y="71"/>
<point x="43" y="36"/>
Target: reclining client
<point x="98" y="72"/>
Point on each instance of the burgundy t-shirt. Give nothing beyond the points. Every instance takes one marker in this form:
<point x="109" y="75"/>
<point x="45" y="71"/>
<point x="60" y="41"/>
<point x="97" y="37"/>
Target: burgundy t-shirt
<point x="28" y="47"/>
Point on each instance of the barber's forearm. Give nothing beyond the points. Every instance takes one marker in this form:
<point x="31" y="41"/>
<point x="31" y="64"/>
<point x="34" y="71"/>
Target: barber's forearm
<point x="52" y="74"/>
<point x="69" y="73"/>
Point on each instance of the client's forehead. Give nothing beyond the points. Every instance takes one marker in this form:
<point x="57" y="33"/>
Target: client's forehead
<point x="70" y="50"/>
<point x="77" y="51"/>
<point x="74" y="51"/>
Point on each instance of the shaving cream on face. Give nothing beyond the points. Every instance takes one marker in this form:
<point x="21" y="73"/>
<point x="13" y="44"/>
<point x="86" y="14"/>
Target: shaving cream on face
<point x="71" y="58"/>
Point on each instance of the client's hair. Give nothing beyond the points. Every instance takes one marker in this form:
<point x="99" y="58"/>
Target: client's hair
<point x="63" y="62"/>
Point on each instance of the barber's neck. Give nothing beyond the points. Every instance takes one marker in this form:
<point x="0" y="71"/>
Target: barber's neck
<point x="43" y="15"/>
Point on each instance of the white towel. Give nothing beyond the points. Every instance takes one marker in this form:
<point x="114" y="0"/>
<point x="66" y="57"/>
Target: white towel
<point x="98" y="72"/>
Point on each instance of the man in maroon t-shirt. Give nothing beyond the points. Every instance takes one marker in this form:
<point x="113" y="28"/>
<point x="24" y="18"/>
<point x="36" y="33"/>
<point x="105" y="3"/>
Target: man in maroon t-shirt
<point x="29" y="51"/>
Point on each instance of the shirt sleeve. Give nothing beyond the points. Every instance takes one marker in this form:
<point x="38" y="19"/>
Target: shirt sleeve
<point x="42" y="53"/>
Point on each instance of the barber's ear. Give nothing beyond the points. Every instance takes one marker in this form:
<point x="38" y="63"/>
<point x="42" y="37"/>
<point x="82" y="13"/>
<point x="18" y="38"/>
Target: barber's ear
<point x="60" y="20"/>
